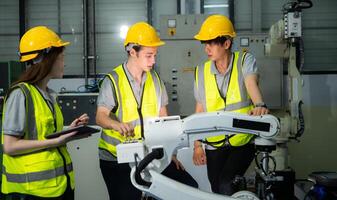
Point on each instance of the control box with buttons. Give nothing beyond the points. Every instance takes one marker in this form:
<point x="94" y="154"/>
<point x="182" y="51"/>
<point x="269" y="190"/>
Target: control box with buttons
<point x="75" y="104"/>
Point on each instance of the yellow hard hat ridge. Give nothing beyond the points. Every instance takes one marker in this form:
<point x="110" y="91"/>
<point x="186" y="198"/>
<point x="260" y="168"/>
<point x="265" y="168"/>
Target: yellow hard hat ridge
<point x="215" y="26"/>
<point x="143" y="34"/>
<point x="38" y="38"/>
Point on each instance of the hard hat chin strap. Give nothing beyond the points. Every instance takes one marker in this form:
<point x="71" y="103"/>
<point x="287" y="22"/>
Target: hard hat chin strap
<point x="39" y="57"/>
<point x="130" y="46"/>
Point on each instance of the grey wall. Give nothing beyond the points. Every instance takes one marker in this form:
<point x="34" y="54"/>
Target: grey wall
<point x="9" y="30"/>
<point x="317" y="149"/>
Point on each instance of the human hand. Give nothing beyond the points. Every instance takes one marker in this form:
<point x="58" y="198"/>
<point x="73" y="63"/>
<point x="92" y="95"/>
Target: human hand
<point x="82" y="120"/>
<point x="124" y="129"/>
<point x="178" y="164"/>
<point x="63" y="139"/>
<point x="199" y="156"/>
<point x="259" y="111"/>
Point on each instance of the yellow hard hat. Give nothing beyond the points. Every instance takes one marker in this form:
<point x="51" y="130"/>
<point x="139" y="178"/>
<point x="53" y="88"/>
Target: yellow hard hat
<point x="215" y="26"/>
<point x="37" y="39"/>
<point x="143" y="34"/>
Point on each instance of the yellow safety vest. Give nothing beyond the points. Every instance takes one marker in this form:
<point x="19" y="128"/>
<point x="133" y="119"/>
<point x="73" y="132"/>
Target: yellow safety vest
<point x="42" y="173"/>
<point x="236" y="100"/>
<point x="128" y="110"/>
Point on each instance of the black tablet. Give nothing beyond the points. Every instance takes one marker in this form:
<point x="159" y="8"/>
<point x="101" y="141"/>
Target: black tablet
<point x="82" y="129"/>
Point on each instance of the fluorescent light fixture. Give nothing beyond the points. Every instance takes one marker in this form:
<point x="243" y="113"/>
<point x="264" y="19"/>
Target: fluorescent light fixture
<point x="123" y="31"/>
<point x="216" y="6"/>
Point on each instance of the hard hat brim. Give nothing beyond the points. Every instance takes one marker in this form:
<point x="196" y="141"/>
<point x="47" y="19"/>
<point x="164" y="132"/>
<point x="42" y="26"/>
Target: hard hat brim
<point x="61" y="44"/>
<point x="32" y="56"/>
<point x="203" y="38"/>
<point x="156" y="44"/>
<point x="28" y="57"/>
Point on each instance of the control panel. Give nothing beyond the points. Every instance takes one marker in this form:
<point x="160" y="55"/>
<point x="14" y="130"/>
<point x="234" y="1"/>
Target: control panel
<point x="75" y="104"/>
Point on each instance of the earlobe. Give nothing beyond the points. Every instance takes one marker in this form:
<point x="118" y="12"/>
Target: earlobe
<point x="132" y="52"/>
<point x="228" y="44"/>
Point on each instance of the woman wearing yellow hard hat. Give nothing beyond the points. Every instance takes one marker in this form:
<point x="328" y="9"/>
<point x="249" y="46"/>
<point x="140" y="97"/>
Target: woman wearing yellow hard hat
<point x="35" y="167"/>
<point x="226" y="81"/>
<point x="130" y="94"/>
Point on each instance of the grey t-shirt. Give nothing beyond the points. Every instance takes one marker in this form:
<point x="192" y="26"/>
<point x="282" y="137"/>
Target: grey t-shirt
<point x="15" y="113"/>
<point x="248" y="67"/>
<point x="107" y="96"/>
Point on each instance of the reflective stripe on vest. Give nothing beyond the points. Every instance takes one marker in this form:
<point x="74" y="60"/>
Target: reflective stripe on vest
<point x="237" y="98"/>
<point x="40" y="173"/>
<point x="128" y="109"/>
<point x="36" y="176"/>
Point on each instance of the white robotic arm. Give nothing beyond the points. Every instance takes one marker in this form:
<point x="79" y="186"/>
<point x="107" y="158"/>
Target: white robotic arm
<point x="165" y="135"/>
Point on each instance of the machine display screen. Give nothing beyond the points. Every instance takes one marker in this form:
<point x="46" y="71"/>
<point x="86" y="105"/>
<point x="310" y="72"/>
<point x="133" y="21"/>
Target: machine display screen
<point x="245" y="124"/>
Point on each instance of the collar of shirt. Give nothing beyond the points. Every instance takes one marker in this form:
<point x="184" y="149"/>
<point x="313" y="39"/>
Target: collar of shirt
<point x="215" y="71"/>
<point x="50" y="95"/>
<point x="130" y="77"/>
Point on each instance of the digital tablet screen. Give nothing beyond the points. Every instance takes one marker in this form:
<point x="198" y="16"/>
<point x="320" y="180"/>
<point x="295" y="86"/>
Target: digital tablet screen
<point x="82" y="129"/>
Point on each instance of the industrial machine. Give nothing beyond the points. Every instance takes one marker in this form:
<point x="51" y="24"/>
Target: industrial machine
<point x="277" y="53"/>
<point x="10" y="72"/>
<point x="285" y="42"/>
<point x="152" y="155"/>
<point x="74" y="104"/>
<point x="178" y="58"/>
<point x="178" y="75"/>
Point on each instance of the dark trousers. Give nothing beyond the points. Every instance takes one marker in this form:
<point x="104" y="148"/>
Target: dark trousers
<point x="224" y="163"/>
<point x="117" y="179"/>
<point x="67" y="195"/>
<point x="181" y="176"/>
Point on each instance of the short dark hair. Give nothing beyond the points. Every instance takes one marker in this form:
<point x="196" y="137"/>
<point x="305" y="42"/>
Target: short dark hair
<point x="137" y="48"/>
<point x="219" y="40"/>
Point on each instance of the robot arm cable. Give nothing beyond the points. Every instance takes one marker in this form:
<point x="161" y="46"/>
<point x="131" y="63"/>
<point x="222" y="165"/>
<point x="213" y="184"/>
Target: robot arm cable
<point x="155" y="154"/>
<point x="260" y="166"/>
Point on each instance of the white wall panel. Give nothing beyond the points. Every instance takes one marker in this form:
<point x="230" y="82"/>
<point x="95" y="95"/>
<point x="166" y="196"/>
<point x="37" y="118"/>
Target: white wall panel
<point x="319" y="31"/>
<point x="71" y="29"/>
<point x="71" y="16"/>
<point x="40" y="12"/>
<point x="216" y="7"/>
<point x="110" y="52"/>
<point x="9" y="29"/>
<point x="243" y="15"/>
<point x="9" y="48"/>
<point x="65" y="18"/>
<point x="9" y="17"/>
<point x="110" y="16"/>
<point x="73" y="55"/>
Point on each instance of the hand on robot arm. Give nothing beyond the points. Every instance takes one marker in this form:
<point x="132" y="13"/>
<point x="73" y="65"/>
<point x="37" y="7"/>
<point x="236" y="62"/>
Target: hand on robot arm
<point x="177" y="163"/>
<point x="106" y="121"/>
<point x="179" y="133"/>
<point x="251" y="82"/>
<point x="155" y="152"/>
<point x="199" y="155"/>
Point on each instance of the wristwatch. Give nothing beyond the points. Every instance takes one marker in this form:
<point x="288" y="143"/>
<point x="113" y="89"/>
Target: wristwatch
<point x="261" y="104"/>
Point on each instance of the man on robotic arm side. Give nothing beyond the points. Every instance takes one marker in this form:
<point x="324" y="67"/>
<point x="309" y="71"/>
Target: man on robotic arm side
<point x="150" y="156"/>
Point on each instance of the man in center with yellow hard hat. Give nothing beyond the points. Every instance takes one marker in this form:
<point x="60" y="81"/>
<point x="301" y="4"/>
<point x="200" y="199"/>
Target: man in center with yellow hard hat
<point x="130" y="94"/>
<point x="228" y="81"/>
